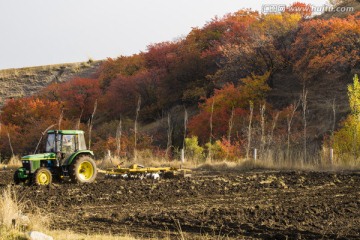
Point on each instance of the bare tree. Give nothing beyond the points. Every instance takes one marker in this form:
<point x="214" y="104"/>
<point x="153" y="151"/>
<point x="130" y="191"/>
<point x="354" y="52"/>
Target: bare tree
<point x="11" y="148"/>
<point x="333" y="107"/>
<point x="42" y="135"/>
<point x="304" y="108"/>
<point x="273" y="126"/>
<point x="185" y="126"/>
<point x="289" y="118"/>
<point x="211" y="129"/>
<point x="249" y="130"/>
<point x="118" y="138"/>
<point x="60" y="118"/>
<point x="91" y="123"/>
<point x="231" y="124"/>
<point x="262" y="124"/>
<point x="185" y="133"/>
<point x="169" y="135"/>
<point x="136" y="126"/>
<point x="331" y="155"/>
<point x="77" y="127"/>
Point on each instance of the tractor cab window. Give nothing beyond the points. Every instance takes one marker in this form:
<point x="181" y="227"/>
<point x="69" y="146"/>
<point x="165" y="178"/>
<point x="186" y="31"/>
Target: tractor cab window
<point x="82" y="144"/>
<point x="50" y="143"/>
<point x="68" y="143"/>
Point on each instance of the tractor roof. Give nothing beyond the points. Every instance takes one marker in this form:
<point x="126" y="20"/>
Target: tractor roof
<point x="67" y="132"/>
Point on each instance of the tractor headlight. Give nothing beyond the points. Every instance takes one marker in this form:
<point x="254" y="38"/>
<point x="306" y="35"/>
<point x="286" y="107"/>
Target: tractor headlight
<point x="26" y="164"/>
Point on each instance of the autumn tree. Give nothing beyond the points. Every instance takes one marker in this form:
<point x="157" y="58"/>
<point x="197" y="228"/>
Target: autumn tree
<point x="123" y="65"/>
<point x="229" y="100"/>
<point x="26" y="118"/>
<point x="347" y="139"/>
<point x="123" y="93"/>
<point x="77" y="96"/>
<point x="327" y="46"/>
<point x="262" y="45"/>
<point x="305" y="10"/>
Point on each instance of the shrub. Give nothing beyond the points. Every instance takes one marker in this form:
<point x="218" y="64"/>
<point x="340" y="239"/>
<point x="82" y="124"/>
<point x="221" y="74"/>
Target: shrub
<point x="192" y="149"/>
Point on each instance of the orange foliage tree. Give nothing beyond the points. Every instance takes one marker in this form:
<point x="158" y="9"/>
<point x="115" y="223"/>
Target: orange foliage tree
<point x="327" y="46"/>
<point x="25" y="119"/>
<point x="260" y="45"/>
<point x="229" y="98"/>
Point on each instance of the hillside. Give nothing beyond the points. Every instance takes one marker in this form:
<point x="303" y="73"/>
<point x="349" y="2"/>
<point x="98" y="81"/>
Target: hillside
<point x="238" y="79"/>
<point x="21" y="82"/>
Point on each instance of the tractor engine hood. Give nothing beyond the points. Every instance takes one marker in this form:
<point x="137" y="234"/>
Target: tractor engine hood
<point x="41" y="156"/>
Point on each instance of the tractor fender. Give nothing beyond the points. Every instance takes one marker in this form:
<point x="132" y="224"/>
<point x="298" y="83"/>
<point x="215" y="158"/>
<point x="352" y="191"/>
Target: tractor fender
<point x="77" y="154"/>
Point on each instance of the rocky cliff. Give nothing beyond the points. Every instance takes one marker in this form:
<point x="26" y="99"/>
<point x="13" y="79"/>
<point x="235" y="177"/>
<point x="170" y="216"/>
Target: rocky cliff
<point x="28" y="81"/>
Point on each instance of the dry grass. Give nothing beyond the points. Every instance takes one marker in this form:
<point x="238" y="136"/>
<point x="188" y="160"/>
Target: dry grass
<point x="30" y="71"/>
<point x="13" y="162"/>
<point x="13" y="220"/>
<point x="9" y="207"/>
<point x="148" y="160"/>
<point x="68" y="235"/>
<point x="250" y="165"/>
<point x="144" y="158"/>
<point x="33" y="219"/>
<point x="109" y="162"/>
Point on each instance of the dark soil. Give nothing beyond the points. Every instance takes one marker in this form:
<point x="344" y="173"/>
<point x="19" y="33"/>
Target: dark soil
<point x="235" y="205"/>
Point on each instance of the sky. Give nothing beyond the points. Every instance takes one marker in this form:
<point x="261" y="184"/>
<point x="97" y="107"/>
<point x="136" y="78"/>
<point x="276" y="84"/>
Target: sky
<point x="42" y="32"/>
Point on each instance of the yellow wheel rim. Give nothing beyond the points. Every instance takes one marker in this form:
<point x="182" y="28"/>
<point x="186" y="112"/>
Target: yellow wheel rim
<point x="86" y="170"/>
<point x="43" y="178"/>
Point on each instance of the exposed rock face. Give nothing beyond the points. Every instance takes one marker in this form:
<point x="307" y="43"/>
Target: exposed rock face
<point x="28" y="81"/>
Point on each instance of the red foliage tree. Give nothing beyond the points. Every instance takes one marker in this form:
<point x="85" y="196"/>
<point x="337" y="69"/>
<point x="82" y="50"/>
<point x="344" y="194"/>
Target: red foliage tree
<point x="124" y="91"/>
<point x="125" y="66"/>
<point x="305" y="10"/>
<point x="77" y="95"/>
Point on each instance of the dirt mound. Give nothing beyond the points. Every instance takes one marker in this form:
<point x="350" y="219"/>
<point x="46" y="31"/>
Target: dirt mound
<point x="263" y="204"/>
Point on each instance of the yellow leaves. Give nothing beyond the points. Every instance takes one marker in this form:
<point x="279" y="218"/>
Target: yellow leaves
<point x="347" y="139"/>
<point x="354" y="96"/>
<point x="255" y="87"/>
<point x="277" y="24"/>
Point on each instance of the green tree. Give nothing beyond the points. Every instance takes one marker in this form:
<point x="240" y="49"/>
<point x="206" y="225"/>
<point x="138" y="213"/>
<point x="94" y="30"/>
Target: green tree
<point x="347" y="139"/>
<point x="192" y="149"/>
<point x="354" y="96"/>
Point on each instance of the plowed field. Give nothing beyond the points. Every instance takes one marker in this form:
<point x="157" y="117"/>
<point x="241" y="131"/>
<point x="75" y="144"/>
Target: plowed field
<point x="231" y="205"/>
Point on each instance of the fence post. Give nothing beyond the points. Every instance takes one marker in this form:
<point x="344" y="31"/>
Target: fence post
<point x="182" y="155"/>
<point x="331" y="156"/>
<point x="255" y="154"/>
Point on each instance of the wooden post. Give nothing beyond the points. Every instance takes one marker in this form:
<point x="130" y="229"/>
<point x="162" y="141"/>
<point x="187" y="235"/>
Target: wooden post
<point x="331" y="156"/>
<point x="182" y="155"/>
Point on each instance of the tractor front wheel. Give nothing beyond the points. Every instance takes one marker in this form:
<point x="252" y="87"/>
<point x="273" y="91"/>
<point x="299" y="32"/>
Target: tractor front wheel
<point x="83" y="170"/>
<point x="42" y="177"/>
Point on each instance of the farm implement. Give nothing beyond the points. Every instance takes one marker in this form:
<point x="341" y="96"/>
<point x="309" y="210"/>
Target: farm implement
<point x="136" y="171"/>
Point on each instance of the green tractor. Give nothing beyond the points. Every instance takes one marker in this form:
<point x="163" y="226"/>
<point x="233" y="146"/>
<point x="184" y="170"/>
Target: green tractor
<point x="65" y="156"/>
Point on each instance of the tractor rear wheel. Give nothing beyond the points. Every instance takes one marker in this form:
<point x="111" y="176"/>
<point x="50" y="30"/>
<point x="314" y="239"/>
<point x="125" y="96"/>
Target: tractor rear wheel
<point x="17" y="180"/>
<point x="83" y="170"/>
<point x="42" y="177"/>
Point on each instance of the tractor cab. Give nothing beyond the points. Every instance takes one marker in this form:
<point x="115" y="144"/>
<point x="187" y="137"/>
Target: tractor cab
<point x="65" y="155"/>
<point x="65" y="143"/>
